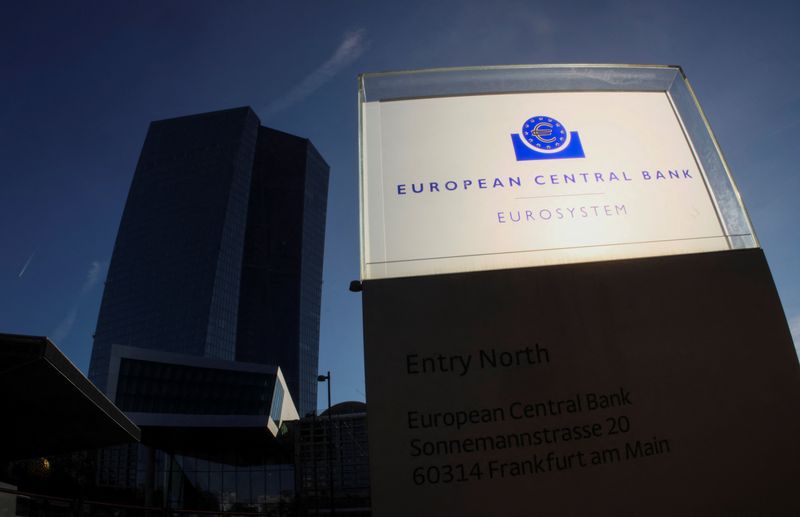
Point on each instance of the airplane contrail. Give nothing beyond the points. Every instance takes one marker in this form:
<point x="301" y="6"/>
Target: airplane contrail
<point x="22" y="271"/>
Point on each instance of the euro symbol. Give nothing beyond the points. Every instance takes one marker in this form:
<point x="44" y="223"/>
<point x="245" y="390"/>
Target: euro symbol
<point x="542" y="130"/>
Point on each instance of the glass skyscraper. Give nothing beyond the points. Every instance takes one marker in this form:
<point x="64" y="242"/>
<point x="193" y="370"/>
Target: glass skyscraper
<point x="219" y="251"/>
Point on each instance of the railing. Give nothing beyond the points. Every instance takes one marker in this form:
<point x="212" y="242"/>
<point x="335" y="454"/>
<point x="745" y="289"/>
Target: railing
<point x="28" y="504"/>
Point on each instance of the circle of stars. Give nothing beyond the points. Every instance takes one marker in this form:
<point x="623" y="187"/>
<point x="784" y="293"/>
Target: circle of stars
<point x="559" y="133"/>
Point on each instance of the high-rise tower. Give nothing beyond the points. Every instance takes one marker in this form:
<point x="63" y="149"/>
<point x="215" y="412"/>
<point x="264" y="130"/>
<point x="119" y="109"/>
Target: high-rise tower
<point x="219" y="251"/>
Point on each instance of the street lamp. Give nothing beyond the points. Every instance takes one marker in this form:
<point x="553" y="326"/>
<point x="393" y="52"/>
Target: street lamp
<point x="327" y="378"/>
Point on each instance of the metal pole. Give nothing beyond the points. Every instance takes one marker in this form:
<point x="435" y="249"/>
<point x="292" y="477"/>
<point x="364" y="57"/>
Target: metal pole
<point x="330" y="444"/>
<point x="314" y="451"/>
<point x="149" y="478"/>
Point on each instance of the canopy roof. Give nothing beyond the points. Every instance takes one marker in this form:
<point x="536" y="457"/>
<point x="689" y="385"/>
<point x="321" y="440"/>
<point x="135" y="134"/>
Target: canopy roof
<point x="49" y="407"/>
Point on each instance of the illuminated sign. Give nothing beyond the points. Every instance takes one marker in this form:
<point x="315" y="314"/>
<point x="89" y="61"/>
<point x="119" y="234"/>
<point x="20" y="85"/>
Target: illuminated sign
<point x="504" y="180"/>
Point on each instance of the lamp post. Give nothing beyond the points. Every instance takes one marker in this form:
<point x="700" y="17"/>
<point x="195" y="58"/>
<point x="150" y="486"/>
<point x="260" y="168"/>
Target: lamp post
<point x="327" y="378"/>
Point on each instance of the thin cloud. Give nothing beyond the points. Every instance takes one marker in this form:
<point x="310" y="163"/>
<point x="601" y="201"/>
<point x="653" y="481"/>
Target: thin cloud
<point x="63" y="329"/>
<point x="352" y="46"/>
<point x="27" y="263"/>
<point x="93" y="276"/>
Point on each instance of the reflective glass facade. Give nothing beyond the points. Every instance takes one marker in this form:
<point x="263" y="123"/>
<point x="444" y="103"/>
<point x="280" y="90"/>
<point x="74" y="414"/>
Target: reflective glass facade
<point x="153" y="387"/>
<point x="332" y="454"/>
<point x="219" y="251"/>
<point x="206" y="485"/>
<point x="200" y="484"/>
<point x="282" y="268"/>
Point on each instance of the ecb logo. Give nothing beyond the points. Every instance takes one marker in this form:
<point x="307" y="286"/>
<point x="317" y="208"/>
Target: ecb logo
<point x="545" y="138"/>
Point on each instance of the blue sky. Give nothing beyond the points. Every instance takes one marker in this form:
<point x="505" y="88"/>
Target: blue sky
<point x="80" y="81"/>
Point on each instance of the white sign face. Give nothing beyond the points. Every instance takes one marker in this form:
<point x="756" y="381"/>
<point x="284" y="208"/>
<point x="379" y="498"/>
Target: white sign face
<point x="485" y="182"/>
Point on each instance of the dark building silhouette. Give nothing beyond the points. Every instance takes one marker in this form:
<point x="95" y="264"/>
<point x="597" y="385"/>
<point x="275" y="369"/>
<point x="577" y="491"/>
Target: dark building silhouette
<point x="219" y="251"/>
<point x="208" y="332"/>
<point x="332" y="461"/>
<point x="282" y="266"/>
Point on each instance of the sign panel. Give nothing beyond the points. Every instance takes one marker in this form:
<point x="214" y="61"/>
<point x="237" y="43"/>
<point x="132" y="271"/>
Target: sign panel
<point x="480" y="182"/>
<point x="563" y="310"/>
<point x="659" y="386"/>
